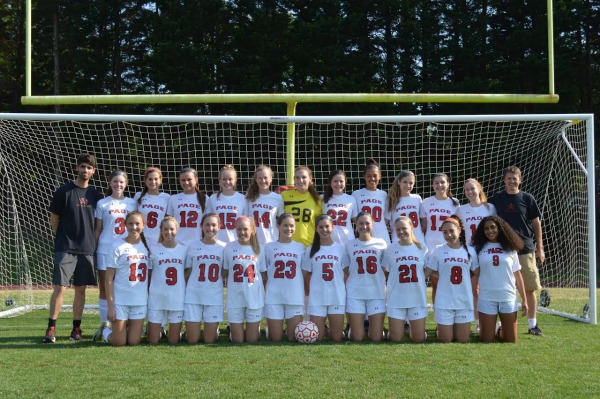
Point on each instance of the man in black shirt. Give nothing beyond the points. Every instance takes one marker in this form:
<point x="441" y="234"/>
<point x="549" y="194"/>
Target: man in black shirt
<point x="72" y="212"/>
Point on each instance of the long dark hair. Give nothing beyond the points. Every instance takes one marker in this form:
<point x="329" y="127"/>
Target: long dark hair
<point x="316" y="244"/>
<point x="328" y="191"/>
<point x="454" y="219"/>
<point x="199" y="194"/>
<point x="151" y="169"/>
<point x="508" y="239"/>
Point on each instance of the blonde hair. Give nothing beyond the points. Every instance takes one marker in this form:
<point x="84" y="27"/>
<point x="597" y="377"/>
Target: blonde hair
<point x="406" y="219"/>
<point x="165" y="220"/>
<point x="482" y="196"/>
<point x="311" y="187"/>
<point x="253" y="237"/>
<point x="253" y="190"/>
<point x="228" y="167"/>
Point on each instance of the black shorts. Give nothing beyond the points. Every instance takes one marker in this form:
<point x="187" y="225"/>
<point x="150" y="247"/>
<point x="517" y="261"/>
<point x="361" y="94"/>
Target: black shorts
<point x="80" y="267"/>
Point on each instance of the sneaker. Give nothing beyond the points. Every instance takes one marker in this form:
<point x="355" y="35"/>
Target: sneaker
<point x="76" y="334"/>
<point x="475" y="330"/>
<point x="49" y="337"/>
<point x="98" y="334"/>
<point x="535" y="331"/>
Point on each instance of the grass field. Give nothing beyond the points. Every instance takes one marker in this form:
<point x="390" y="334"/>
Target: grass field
<point x="564" y="363"/>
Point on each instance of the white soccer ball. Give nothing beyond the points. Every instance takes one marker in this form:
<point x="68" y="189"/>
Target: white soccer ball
<point x="306" y="332"/>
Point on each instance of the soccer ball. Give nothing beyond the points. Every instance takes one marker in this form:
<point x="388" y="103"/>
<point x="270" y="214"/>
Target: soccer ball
<point x="306" y="332"/>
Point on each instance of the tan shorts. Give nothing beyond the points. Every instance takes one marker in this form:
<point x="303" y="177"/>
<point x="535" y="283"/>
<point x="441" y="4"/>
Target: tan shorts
<point x="529" y="271"/>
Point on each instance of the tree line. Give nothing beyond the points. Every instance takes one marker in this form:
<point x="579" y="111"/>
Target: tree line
<point x="278" y="46"/>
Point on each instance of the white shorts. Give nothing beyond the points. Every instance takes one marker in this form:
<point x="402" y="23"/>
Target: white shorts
<point x="324" y="310"/>
<point x="280" y="312"/>
<point x="194" y="313"/>
<point x="165" y="316"/>
<point x="101" y="261"/>
<point x="449" y="317"/>
<point x="365" y="306"/>
<point x="126" y="312"/>
<point x="239" y="315"/>
<point x="494" y="307"/>
<point x="416" y="313"/>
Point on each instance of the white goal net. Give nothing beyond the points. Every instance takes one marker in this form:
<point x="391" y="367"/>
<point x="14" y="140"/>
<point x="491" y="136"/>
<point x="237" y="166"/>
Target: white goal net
<point x="553" y="152"/>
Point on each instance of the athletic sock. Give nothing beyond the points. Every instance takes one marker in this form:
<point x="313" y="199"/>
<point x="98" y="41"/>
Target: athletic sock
<point x="306" y="315"/>
<point x="532" y="323"/>
<point x="76" y="323"/>
<point x="51" y="323"/>
<point x="103" y="307"/>
<point x="105" y="333"/>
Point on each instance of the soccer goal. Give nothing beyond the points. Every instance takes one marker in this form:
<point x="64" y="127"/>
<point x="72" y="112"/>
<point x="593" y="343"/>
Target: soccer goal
<point x="555" y="153"/>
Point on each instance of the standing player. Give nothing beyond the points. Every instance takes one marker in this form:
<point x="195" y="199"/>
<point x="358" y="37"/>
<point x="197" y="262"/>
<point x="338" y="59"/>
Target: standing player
<point x="404" y="261"/>
<point x="243" y="267"/>
<point x="227" y="203"/>
<point x="167" y="284"/>
<point x="340" y="206"/>
<point x="264" y="206"/>
<point x="434" y="211"/>
<point x="204" y="292"/>
<point x="373" y="200"/>
<point x="453" y="263"/>
<point x="304" y="203"/>
<point x="496" y="245"/>
<point x="402" y="202"/>
<point x="519" y="209"/>
<point x="326" y="267"/>
<point x="152" y="203"/>
<point x="471" y="215"/>
<point x="127" y="275"/>
<point x="187" y="207"/>
<point x="110" y="226"/>
<point x="284" y="298"/>
<point x="365" y="288"/>
<point x="72" y="221"/>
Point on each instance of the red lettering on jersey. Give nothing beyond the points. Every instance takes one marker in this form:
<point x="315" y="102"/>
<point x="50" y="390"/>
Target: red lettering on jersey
<point x="338" y="205"/>
<point x="371" y="201"/>
<point x="209" y="257"/>
<point x="289" y="255"/>
<point x="326" y="257"/>
<point x="405" y="208"/>
<point x="495" y="251"/>
<point x="407" y="258"/>
<point x="226" y="207"/>
<point x="446" y="211"/>
<point x="172" y="260"/>
<point x="244" y="257"/>
<point x="150" y="206"/>
<point x="194" y="206"/>
<point x="473" y="218"/>
<point x="459" y="260"/>
<point x="365" y="251"/>
<point x="137" y="257"/>
<point x="262" y="206"/>
<point x="118" y="211"/>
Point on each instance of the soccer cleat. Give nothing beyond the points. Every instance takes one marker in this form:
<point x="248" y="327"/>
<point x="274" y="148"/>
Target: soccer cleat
<point x="49" y="337"/>
<point x="535" y="331"/>
<point x="98" y="334"/>
<point x="76" y="334"/>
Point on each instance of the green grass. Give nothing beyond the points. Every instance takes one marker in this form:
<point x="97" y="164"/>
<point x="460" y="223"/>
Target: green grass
<point x="564" y="363"/>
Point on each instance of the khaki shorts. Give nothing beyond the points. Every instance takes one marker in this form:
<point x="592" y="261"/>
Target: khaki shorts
<point x="529" y="271"/>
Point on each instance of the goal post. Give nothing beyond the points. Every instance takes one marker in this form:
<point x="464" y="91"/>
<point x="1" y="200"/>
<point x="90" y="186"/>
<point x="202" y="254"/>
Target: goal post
<point x="555" y="153"/>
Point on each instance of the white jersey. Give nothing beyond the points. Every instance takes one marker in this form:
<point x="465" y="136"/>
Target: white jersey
<point x="497" y="273"/>
<point x="366" y="279"/>
<point x="406" y="284"/>
<point x="131" y="274"/>
<point x="112" y="212"/>
<point x="186" y="209"/>
<point x="244" y="282"/>
<point x="471" y="216"/>
<point x="327" y="275"/>
<point x="285" y="283"/>
<point x="454" y="268"/>
<point x="205" y="285"/>
<point x="436" y="211"/>
<point x="374" y="202"/>
<point x="167" y="285"/>
<point x="228" y="207"/>
<point x="265" y="211"/>
<point x="342" y="209"/>
<point x="154" y="209"/>
<point x="410" y="207"/>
